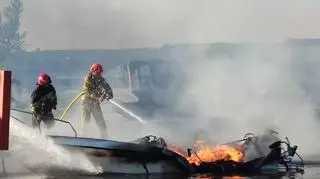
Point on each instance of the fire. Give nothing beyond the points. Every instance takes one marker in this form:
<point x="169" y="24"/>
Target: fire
<point x="178" y="151"/>
<point x="208" y="153"/>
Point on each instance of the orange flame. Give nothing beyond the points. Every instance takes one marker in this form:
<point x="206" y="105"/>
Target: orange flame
<point x="205" y="153"/>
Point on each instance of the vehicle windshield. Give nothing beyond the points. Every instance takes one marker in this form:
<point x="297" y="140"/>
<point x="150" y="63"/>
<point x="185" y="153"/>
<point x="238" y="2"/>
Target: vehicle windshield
<point x="159" y="74"/>
<point x="144" y="75"/>
<point x="117" y="78"/>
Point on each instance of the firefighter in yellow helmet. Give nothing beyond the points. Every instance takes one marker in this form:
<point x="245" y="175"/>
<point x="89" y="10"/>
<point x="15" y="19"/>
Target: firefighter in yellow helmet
<point x="97" y="90"/>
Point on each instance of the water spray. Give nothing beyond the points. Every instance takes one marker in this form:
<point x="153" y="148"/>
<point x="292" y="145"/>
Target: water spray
<point x="138" y="118"/>
<point x="52" y="157"/>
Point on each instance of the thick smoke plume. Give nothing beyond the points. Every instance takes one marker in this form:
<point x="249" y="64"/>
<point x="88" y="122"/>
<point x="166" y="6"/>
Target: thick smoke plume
<point x="253" y="92"/>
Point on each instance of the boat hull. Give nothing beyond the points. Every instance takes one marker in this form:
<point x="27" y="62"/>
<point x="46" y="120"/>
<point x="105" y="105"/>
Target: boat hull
<point x="128" y="158"/>
<point x="140" y="158"/>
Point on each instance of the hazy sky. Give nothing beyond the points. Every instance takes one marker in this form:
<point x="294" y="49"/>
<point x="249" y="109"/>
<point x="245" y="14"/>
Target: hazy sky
<point x="77" y="24"/>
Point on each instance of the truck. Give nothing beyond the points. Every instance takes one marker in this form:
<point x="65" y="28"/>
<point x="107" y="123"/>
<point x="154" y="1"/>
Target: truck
<point x="149" y="87"/>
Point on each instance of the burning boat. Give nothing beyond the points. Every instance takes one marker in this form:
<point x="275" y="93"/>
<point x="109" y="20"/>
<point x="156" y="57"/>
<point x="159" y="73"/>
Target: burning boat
<point x="252" y="155"/>
<point x="152" y="155"/>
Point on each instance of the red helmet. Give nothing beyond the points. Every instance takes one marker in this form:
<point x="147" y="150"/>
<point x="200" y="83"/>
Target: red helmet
<point x="96" y="67"/>
<point x="43" y="79"/>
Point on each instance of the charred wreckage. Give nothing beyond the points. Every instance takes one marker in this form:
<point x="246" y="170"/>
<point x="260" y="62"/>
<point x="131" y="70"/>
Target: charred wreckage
<point x="253" y="155"/>
<point x="228" y="159"/>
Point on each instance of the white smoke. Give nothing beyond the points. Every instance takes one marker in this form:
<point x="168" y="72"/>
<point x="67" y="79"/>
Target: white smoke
<point x="82" y="24"/>
<point x="254" y="92"/>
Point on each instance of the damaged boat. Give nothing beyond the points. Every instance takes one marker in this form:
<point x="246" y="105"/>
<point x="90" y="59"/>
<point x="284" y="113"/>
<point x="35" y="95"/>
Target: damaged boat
<point x="152" y="155"/>
<point x="251" y="155"/>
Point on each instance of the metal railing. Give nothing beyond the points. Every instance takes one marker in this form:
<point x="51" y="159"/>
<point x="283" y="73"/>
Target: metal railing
<point x="33" y="118"/>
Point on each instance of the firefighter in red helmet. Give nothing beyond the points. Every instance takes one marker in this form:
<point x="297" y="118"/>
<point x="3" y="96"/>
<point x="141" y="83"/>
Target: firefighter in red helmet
<point x="43" y="100"/>
<point x="97" y="90"/>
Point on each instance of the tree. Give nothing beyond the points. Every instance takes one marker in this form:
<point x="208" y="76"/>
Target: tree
<point x="11" y="40"/>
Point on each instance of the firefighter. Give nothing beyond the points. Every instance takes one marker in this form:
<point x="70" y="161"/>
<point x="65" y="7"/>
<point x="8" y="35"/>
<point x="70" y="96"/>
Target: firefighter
<point x="43" y="100"/>
<point x="96" y="91"/>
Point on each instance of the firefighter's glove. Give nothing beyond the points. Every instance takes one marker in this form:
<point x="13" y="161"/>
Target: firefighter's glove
<point x="32" y="108"/>
<point x="102" y="98"/>
<point x="108" y="97"/>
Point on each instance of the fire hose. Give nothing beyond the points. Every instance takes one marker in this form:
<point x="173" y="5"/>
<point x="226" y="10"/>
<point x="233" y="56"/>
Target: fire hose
<point x="69" y="107"/>
<point x="139" y="119"/>
<point x="71" y="104"/>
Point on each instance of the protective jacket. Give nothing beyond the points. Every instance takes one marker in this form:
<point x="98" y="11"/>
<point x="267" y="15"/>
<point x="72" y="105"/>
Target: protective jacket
<point x="97" y="87"/>
<point x="44" y="99"/>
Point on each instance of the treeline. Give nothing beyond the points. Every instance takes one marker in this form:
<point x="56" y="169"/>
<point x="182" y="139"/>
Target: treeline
<point x="11" y="39"/>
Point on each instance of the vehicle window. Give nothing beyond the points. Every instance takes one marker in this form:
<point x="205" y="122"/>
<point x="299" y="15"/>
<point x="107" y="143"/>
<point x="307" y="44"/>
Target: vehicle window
<point x="118" y="78"/>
